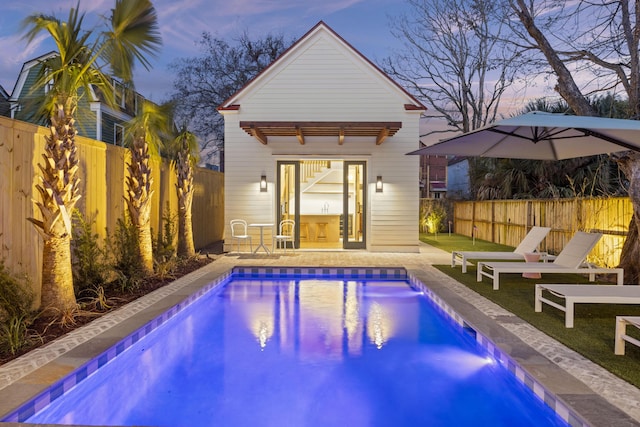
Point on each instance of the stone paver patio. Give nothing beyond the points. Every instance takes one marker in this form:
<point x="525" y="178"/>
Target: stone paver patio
<point x="601" y="398"/>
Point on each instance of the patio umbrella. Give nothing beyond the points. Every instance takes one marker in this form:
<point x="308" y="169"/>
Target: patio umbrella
<point x="543" y="136"/>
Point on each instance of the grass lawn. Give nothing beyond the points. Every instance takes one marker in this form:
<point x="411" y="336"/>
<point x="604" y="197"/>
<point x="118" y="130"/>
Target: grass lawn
<point x="594" y="325"/>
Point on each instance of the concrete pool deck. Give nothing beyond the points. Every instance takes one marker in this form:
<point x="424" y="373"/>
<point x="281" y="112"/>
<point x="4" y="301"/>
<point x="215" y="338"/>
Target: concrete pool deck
<point x="600" y="398"/>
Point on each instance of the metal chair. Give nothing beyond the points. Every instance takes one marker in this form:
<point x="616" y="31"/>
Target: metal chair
<point x="239" y="232"/>
<point x="286" y="233"/>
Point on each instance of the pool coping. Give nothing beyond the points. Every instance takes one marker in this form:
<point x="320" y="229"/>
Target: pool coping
<point x="573" y="400"/>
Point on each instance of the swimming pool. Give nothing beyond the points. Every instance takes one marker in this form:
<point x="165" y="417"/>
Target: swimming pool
<point x="299" y="351"/>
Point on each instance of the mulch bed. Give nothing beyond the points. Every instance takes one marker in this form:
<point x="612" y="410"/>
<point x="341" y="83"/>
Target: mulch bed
<point x="45" y="329"/>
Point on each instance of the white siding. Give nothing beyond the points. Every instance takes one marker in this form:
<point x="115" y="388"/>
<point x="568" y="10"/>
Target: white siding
<point x="322" y="80"/>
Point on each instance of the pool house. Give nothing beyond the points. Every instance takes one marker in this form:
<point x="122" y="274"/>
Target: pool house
<point x="320" y="137"/>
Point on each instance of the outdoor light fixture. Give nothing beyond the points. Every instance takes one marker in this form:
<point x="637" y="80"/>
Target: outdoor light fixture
<point x="379" y="184"/>
<point x="263" y="184"/>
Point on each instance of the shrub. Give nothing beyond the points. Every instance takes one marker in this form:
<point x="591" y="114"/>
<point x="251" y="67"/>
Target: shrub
<point x="124" y="257"/>
<point x="432" y="217"/>
<point x="89" y="260"/>
<point x="164" y="249"/>
<point x="164" y="246"/>
<point x="16" y="314"/>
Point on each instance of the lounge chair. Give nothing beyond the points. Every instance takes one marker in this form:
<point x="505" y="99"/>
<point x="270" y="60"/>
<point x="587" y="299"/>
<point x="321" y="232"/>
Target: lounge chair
<point x="621" y="332"/>
<point x="584" y="294"/>
<point x="528" y="244"/>
<point x="570" y="260"/>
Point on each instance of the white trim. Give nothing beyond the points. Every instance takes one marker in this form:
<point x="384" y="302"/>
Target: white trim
<point x="95" y="107"/>
<point x="25" y="71"/>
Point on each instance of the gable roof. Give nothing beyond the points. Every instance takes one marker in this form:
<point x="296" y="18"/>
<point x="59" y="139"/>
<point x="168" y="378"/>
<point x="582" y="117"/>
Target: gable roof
<point x="24" y="71"/>
<point x="262" y="130"/>
<point x="231" y="103"/>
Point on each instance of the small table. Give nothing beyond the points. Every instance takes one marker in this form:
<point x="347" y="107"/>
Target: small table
<point x="532" y="257"/>
<point x="261" y="245"/>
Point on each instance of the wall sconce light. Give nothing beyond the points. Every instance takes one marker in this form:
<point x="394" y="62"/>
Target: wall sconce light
<point x="379" y="184"/>
<point x="263" y="184"/>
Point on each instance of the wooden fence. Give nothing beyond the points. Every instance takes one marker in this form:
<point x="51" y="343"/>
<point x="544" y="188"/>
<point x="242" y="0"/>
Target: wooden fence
<point x="102" y="179"/>
<point x="507" y="222"/>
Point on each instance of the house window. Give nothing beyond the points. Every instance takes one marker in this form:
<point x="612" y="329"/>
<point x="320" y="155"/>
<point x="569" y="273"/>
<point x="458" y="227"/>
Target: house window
<point x="137" y="108"/>
<point x="48" y="87"/>
<point x="118" y="135"/>
<point x="118" y="93"/>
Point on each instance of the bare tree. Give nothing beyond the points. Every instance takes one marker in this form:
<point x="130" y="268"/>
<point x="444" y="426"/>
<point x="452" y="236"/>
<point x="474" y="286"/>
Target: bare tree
<point x="454" y="59"/>
<point x="605" y="48"/>
<point x="203" y="83"/>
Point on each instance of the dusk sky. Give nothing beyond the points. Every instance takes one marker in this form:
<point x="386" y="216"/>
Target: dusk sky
<point x="365" y="24"/>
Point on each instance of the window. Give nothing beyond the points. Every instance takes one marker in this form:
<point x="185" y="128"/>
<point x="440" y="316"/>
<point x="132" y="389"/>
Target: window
<point x="49" y="85"/>
<point x="118" y="93"/>
<point x="118" y="135"/>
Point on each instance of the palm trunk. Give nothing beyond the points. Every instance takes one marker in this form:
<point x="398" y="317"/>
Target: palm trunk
<point x="184" y="187"/>
<point x="186" y="247"/>
<point x="145" y="243"/>
<point x="139" y="196"/>
<point x="59" y="193"/>
<point x="56" y="269"/>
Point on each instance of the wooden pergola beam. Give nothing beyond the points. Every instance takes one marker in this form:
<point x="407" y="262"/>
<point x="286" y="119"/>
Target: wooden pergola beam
<point x="382" y="135"/>
<point x="299" y="135"/>
<point x="257" y="134"/>
<point x="262" y="130"/>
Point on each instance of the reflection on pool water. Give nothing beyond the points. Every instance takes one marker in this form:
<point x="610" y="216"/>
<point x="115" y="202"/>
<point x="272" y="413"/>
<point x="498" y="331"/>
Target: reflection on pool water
<point x="304" y="352"/>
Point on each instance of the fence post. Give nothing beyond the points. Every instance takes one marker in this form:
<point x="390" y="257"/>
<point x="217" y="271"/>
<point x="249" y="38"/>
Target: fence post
<point x="473" y="215"/>
<point x="493" y="221"/>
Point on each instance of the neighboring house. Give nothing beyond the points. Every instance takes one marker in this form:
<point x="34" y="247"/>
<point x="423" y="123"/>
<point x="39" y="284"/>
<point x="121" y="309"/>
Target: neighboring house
<point x="95" y="119"/>
<point x="458" y="184"/>
<point x="5" y="105"/>
<point x="321" y="137"/>
<point x="433" y="177"/>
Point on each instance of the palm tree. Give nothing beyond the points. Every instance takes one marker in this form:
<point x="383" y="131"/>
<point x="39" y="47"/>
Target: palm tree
<point x="144" y="137"/>
<point x="594" y="176"/>
<point x="184" y="159"/>
<point x="83" y="61"/>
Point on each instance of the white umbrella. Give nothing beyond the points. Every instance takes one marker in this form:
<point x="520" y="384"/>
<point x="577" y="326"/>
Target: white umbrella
<point x="543" y="136"/>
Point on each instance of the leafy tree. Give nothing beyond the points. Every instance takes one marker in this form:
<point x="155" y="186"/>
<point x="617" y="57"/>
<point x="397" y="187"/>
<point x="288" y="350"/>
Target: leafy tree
<point x="144" y="136"/>
<point x="86" y="58"/>
<point x="203" y="83"/>
<point x="605" y="47"/>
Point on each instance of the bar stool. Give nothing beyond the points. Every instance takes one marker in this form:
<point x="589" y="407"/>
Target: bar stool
<point x="322" y="231"/>
<point x="304" y="231"/>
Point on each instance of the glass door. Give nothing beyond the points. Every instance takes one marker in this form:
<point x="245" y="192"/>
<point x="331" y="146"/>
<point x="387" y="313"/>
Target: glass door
<point x="289" y="195"/>
<point x="354" y="202"/>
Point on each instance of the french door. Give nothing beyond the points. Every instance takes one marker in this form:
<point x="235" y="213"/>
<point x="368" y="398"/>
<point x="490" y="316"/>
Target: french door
<point x="354" y="200"/>
<point x="288" y="190"/>
<point x="327" y="204"/>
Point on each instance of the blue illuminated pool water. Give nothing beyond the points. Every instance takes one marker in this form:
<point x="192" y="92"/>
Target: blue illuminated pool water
<point x="304" y="353"/>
